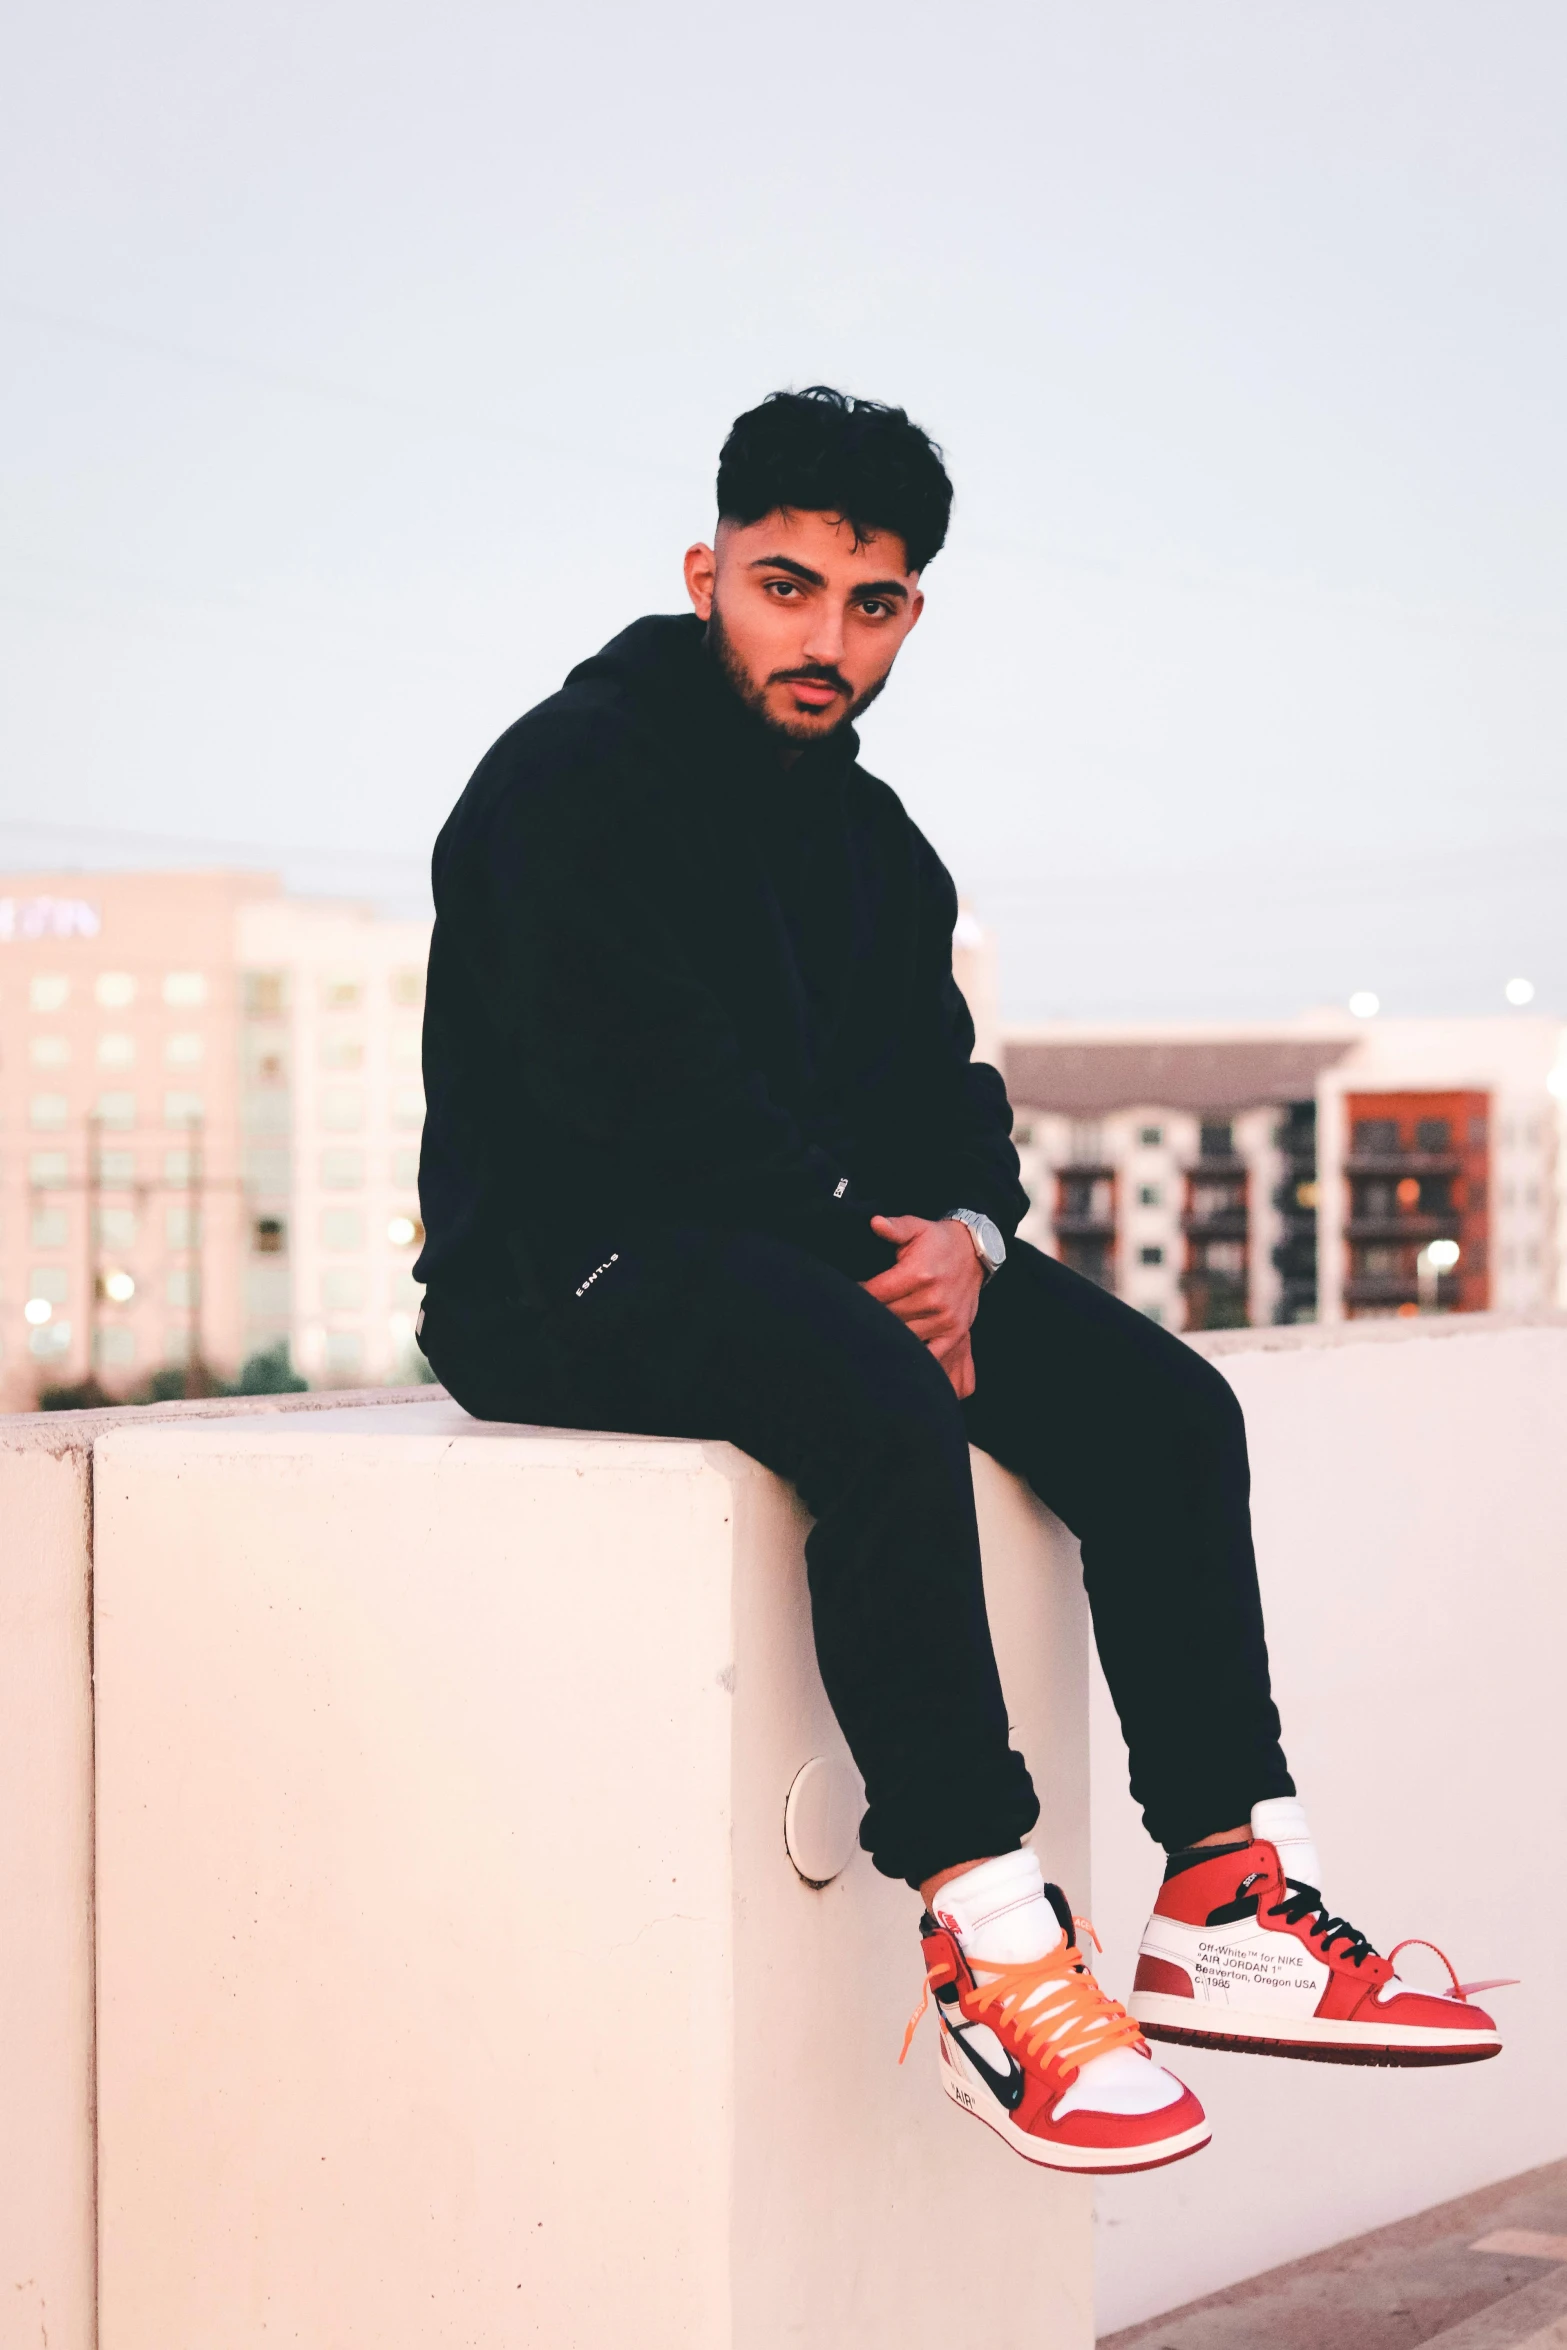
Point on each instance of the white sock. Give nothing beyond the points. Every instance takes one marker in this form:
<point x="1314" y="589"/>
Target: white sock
<point x="1282" y="1822"/>
<point x="999" y="1912"/>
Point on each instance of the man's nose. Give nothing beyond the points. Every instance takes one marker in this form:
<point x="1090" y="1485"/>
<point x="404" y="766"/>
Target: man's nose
<point x="824" y="639"/>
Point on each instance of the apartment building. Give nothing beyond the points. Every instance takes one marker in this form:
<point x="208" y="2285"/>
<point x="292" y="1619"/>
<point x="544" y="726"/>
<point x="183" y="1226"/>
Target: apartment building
<point x="210" y="1108"/>
<point x="1332" y="1168"/>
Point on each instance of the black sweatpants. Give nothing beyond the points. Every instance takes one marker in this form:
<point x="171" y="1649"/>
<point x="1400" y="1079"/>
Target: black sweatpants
<point x="1131" y="1438"/>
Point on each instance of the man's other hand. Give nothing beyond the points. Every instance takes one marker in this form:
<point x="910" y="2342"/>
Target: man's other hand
<point x="934" y="1287"/>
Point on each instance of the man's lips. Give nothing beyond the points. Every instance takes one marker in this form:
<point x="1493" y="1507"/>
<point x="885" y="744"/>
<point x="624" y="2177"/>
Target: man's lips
<point x="814" y="692"/>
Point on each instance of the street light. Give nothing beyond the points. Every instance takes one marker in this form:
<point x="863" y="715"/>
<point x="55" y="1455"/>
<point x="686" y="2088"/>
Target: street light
<point x="1519" y="991"/>
<point x="119" y="1288"/>
<point x="1435" y="1259"/>
<point x="38" y="1310"/>
<point x="1364" y="1004"/>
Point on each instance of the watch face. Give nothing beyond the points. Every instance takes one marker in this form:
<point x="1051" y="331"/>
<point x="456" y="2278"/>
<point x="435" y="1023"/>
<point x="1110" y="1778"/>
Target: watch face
<point x="991" y="1242"/>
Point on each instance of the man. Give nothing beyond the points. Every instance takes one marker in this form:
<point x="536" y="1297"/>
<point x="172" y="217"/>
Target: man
<point x="707" y="1155"/>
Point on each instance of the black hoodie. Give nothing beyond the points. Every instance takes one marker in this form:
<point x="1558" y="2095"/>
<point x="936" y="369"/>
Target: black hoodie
<point x="674" y="982"/>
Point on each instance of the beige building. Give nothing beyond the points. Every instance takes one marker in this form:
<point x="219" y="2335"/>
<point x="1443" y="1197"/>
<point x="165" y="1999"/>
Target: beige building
<point x="1333" y="1168"/>
<point x="211" y="1106"/>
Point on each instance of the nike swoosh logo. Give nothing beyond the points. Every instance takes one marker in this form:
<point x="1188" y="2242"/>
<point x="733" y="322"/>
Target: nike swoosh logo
<point x="1007" y="2088"/>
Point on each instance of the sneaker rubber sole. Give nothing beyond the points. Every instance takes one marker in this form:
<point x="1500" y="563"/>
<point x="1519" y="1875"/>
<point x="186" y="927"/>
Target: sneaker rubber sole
<point x="1048" y="2154"/>
<point x="1312" y="2039"/>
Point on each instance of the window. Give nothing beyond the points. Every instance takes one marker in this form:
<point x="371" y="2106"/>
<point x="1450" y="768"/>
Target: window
<point x="405" y="1055"/>
<point x="50" y="1052"/>
<point x="1218" y="1139"/>
<point x="115" y="989"/>
<point x="268" y="1168"/>
<point x="184" y="987"/>
<point x="115" y="1109"/>
<point x="266" y="994"/>
<point x="179" y="1167"/>
<point x="184" y="1050"/>
<point x="182" y="1227"/>
<point x="116" y="1345"/>
<point x="48" y="1228"/>
<point x="49" y="1281"/>
<point x="1154" y="1313"/>
<point x="342" y="1052"/>
<point x="405" y="1170"/>
<point x="116" y="1169"/>
<point x="408" y="1106"/>
<point x="342" y="1289"/>
<point x="345" y="1353"/>
<point x="47" y="1109"/>
<point x="269" y="1236"/>
<point x="342" y="1109"/>
<point x="47" y="1170"/>
<point x="52" y="1341"/>
<point x="182" y="1109"/>
<point x="116" y="1051"/>
<point x="117" y="1227"/>
<point x="1375" y="1137"/>
<point x="408" y="987"/>
<point x="1151" y="1137"/>
<point x="49" y="993"/>
<point x="1433" y="1134"/>
<point x="342" y="1170"/>
<point x="182" y="1286"/>
<point x="404" y="1291"/>
<point x="342" y="1228"/>
<point x="1149" y="1195"/>
<point x="1150" y="1256"/>
<point x="342" y="993"/>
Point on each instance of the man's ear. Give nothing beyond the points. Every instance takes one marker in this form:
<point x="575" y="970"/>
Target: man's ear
<point x="916" y="605"/>
<point x="701" y="571"/>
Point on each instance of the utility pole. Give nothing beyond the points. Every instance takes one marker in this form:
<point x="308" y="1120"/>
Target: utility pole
<point x="196" y="1380"/>
<point x="94" y="1237"/>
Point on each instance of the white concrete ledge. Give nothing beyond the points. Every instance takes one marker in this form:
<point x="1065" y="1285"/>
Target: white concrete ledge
<point x="46" y="1892"/>
<point x="451" y="1960"/>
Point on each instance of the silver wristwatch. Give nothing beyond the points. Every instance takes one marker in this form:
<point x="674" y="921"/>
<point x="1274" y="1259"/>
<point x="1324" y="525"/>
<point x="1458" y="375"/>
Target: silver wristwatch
<point x="989" y="1246"/>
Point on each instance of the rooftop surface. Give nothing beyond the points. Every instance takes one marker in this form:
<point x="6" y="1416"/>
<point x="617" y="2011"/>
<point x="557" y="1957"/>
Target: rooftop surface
<point x="1488" y="2272"/>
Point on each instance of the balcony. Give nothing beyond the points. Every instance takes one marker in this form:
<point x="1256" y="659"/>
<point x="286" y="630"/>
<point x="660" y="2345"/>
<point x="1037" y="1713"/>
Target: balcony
<point x="1410" y="1227"/>
<point x="1394" y="1163"/>
<point x="1084" y="1227"/>
<point x="1216" y="1224"/>
<point x="1398" y="1289"/>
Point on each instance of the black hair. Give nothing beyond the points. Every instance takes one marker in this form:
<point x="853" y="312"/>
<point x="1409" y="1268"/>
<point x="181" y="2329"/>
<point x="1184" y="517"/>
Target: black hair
<point x="821" y="452"/>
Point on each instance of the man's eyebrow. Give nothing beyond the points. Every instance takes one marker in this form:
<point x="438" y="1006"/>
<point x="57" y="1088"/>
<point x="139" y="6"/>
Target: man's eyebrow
<point x="795" y="570"/>
<point x="802" y="571"/>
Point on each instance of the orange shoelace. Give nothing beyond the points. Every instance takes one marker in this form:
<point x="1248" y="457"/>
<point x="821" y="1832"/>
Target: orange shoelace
<point x="1051" y="2002"/>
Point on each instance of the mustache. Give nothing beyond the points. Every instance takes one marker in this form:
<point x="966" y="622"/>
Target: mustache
<point x="813" y="675"/>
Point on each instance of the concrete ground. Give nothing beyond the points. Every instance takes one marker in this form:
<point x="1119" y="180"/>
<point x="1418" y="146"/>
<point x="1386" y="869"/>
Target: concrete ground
<point x="1488" y="2272"/>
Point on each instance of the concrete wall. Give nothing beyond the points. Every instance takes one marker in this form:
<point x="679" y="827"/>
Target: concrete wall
<point x="46" y="1867"/>
<point x="455" y="1983"/>
<point x="1411" y="1518"/>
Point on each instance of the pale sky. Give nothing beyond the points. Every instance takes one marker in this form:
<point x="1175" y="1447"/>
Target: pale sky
<point x="366" y="366"/>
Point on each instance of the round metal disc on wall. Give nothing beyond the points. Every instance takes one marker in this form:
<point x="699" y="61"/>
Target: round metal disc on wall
<point x="822" y="1819"/>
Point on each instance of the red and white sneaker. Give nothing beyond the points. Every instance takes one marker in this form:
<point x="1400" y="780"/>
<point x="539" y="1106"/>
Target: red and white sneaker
<point x="1019" y="2049"/>
<point x="1239" y="1956"/>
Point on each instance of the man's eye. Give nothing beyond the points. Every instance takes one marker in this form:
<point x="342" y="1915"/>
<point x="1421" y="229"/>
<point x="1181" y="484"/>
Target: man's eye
<point x="783" y="587"/>
<point x="874" y="608"/>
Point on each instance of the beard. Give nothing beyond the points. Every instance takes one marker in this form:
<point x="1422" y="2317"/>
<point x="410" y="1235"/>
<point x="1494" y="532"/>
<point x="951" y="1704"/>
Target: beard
<point x="754" y="695"/>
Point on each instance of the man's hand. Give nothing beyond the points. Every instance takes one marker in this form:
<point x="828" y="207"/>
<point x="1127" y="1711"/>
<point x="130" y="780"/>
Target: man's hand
<point x="934" y="1287"/>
